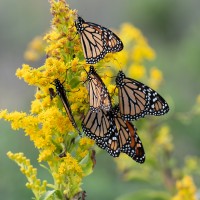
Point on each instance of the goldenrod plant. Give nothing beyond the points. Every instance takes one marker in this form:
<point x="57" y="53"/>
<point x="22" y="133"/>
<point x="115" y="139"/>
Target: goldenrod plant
<point x="68" y="156"/>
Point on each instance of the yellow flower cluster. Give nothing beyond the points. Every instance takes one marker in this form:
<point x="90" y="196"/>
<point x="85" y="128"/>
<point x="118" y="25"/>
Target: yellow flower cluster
<point x="30" y="172"/>
<point x="135" y="45"/>
<point x="156" y="78"/>
<point x="84" y="143"/>
<point x="186" y="189"/>
<point x="35" y="49"/>
<point x="62" y="41"/>
<point x="164" y="139"/>
<point x="68" y="176"/>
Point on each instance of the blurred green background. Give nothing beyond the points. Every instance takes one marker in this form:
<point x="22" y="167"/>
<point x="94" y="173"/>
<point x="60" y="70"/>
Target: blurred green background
<point x="173" y="31"/>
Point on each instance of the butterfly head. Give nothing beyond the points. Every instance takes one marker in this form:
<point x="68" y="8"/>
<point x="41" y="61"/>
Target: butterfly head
<point x="91" y="73"/>
<point x="119" y="78"/>
<point x="92" y="70"/>
<point x="78" y="23"/>
<point x="80" y="19"/>
<point x="57" y="82"/>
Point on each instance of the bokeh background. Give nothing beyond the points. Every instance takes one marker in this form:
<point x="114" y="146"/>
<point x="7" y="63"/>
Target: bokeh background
<point x="172" y="28"/>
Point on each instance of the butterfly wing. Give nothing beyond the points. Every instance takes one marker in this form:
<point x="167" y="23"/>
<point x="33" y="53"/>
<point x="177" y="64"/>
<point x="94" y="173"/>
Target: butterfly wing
<point x="96" y="126"/>
<point x="129" y="141"/>
<point x="135" y="145"/>
<point x="137" y="100"/>
<point x="158" y="106"/>
<point x="124" y="138"/>
<point x="112" y="144"/>
<point x="112" y="42"/>
<point x="98" y="93"/>
<point x="96" y="40"/>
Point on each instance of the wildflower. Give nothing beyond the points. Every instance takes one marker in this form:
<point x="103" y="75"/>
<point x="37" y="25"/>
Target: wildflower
<point x="35" y="184"/>
<point x="35" y="49"/>
<point x="137" y="71"/>
<point x="198" y="99"/>
<point x="164" y="139"/>
<point x="186" y="189"/>
<point x="156" y="78"/>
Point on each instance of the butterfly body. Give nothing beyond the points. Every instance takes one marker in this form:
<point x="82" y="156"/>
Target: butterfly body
<point x="60" y="90"/>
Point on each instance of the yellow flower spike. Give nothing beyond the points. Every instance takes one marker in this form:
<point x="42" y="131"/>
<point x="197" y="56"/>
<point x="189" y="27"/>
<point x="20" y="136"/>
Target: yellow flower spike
<point x="30" y="172"/>
<point x="20" y="72"/>
<point x="35" y="49"/>
<point x="137" y="71"/>
<point x="111" y="88"/>
<point x="128" y="33"/>
<point x="86" y="142"/>
<point x="164" y="139"/>
<point x="82" y="153"/>
<point x="198" y="99"/>
<point x="156" y="74"/>
<point x="191" y="164"/>
<point x="28" y="185"/>
<point x="186" y="189"/>
<point x="15" y="118"/>
<point x="46" y="102"/>
<point x="31" y="55"/>
<point x="3" y="113"/>
<point x="36" y="107"/>
<point x="156" y="77"/>
<point x="142" y="52"/>
<point x="121" y="59"/>
<point x="75" y="62"/>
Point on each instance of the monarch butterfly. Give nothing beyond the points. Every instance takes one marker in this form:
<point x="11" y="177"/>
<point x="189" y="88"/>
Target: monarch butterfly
<point x="98" y="93"/>
<point x="137" y="100"/>
<point x="106" y="126"/>
<point x="60" y="90"/>
<point x="100" y="103"/>
<point x="96" y="40"/>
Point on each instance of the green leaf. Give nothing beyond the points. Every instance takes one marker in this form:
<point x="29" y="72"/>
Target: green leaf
<point x="74" y="82"/>
<point x="84" y="160"/>
<point x="86" y="164"/>
<point x="45" y="167"/>
<point x="51" y="193"/>
<point x="146" y="194"/>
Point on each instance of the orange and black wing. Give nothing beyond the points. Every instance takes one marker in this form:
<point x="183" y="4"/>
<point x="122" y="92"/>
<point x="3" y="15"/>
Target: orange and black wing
<point x="129" y="141"/>
<point x="96" y="126"/>
<point x="96" y="40"/>
<point x="98" y="93"/>
<point x="137" y="100"/>
<point x="135" y="145"/>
